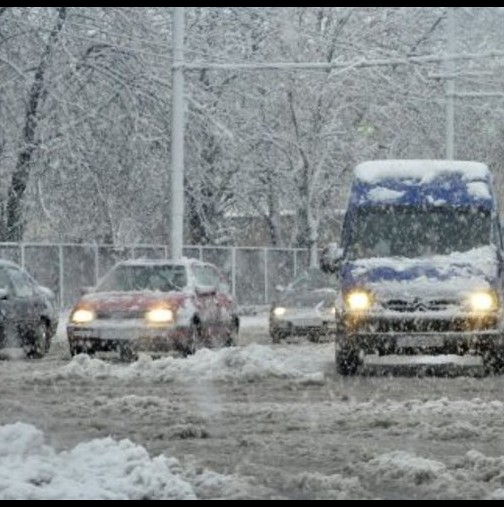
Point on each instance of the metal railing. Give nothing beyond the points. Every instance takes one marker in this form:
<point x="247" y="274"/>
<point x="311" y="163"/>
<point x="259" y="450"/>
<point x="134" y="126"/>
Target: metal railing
<point x="254" y="272"/>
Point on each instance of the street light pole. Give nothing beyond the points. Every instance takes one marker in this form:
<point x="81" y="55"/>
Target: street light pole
<point x="450" y="87"/>
<point x="177" y="133"/>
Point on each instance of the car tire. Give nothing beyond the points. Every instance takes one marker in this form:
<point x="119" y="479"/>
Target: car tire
<point x="276" y="336"/>
<point x="347" y="360"/>
<point x="75" y="349"/>
<point x="194" y="340"/>
<point x="232" y="337"/>
<point x="313" y="337"/>
<point x="80" y="348"/>
<point x="38" y="342"/>
<point x="127" y="354"/>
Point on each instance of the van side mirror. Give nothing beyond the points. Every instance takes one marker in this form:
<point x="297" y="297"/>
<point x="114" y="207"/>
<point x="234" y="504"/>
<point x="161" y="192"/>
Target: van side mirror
<point x="330" y="258"/>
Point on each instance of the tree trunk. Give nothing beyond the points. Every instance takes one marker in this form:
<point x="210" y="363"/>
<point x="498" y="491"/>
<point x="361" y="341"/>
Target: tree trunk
<point x="15" y="227"/>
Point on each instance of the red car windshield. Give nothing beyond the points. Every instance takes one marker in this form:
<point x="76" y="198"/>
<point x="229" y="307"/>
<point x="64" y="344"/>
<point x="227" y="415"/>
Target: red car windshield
<point x="140" y="278"/>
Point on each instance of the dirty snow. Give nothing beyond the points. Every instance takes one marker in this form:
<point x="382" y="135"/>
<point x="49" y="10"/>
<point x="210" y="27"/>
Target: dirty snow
<point x="256" y="421"/>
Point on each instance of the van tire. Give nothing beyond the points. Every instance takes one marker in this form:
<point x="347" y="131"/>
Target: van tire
<point x="347" y="360"/>
<point x="493" y="362"/>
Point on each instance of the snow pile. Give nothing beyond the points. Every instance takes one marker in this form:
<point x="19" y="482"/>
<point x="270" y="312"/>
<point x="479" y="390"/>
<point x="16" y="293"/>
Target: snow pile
<point x="104" y="469"/>
<point x="251" y="363"/>
<point x="473" y="476"/>
<point x="100" y="469"/>
<point x="334" y="487"/>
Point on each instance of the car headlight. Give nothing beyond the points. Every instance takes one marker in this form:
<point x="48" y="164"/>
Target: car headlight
<point x="159" y="316"/>
<point x="279" y="311"/>
<point x="482" y="301"/>
<point x="82" y="316"/>
<point x="358" y="301"/>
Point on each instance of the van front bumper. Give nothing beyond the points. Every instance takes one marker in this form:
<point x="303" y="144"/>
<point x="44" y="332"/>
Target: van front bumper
<point x="421" y="334"/>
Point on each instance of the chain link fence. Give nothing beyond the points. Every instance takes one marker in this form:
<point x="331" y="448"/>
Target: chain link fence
<point x="254" y="272"/>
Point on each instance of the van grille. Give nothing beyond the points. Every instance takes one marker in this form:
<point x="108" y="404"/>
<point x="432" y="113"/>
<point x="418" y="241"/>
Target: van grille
<point x="400" y="305"/>
<point x="419" y="325"/>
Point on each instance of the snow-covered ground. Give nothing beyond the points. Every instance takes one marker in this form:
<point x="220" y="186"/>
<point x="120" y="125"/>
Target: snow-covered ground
<point x="256" y="421"/>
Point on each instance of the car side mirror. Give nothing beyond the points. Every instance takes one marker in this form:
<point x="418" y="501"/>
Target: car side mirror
<point x="330" y="258"/>
<point x="4" y="293"/>
<point x="47" y="291"/>
<point x="206" y="290"/>
<point x="279" y="288"/>
<point x="86" y="290"/>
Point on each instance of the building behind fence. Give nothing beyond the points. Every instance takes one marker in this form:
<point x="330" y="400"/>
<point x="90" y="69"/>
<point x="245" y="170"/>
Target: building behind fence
<point x="254" y="272"/>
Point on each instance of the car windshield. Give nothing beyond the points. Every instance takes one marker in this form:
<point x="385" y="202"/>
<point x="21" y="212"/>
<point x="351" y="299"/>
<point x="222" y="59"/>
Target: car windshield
<point x="411" y="232"/>
<point x="139" y="278"/>
<point x="313" y="279"/>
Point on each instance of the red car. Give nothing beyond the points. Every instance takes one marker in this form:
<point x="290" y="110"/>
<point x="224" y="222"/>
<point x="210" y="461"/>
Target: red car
<point x="155" y="306"/>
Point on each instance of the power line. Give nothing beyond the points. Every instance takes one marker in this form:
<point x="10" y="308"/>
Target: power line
<point x="356" y="63"/>
<point x="90" y="39"/>
<point x="122" y="36"/>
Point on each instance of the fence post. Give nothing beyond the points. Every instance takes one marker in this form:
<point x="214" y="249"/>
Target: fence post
<point x="97" y="265"/>
<point x="22" y="252"/>
<point x="233" y="271"/>
<point x="265" y="255"/>
<point x="61" y="279"/>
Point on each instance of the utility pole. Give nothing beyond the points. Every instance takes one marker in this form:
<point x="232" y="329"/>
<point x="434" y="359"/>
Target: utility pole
<point x="450" y="87"/>
<point x="178" y="106"/>
<point x="177" y="133"/>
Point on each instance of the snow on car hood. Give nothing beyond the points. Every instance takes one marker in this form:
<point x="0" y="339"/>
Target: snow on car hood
<point x="450" y="276"/>
<point x="130" y="301"/>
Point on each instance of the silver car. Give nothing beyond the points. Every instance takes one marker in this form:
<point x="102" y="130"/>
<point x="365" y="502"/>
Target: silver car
<point x="306" y="307"/>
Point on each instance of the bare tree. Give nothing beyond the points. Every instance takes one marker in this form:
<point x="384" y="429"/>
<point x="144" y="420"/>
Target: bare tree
<point x="14" y="227"/>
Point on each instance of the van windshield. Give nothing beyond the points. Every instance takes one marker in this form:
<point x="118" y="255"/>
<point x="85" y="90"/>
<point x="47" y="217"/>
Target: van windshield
<point x="411" y="232"/>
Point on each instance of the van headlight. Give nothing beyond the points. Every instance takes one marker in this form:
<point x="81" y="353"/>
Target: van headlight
<point x="358" y="301"/>
<point x="482" y="301"/>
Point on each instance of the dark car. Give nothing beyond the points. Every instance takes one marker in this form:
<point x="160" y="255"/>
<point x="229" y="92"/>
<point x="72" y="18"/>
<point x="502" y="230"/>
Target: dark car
<point x="28" y="311"/>
<point x="305" y="307"/>
<point x="155" y="306"/>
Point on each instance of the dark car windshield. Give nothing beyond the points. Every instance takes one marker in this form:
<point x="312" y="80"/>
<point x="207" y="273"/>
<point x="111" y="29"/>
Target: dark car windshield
<point x="139" y="278"/>
<point x="313" y="279"/>
<point x="411" y="232"/>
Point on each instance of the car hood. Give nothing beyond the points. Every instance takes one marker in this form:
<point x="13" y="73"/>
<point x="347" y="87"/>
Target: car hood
<point x="130" y="301"/>
<point x="307" y="298"/>
<point x="448" y="276"/>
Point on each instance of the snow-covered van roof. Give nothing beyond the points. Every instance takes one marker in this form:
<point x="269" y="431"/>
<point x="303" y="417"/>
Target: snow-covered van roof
<point x="423" y="182"/>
